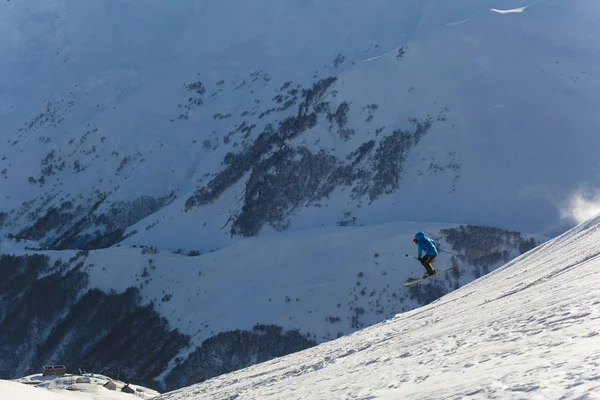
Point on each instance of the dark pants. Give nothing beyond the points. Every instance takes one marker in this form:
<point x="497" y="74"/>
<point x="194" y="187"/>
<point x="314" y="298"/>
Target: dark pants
<point x="426" y="261"/>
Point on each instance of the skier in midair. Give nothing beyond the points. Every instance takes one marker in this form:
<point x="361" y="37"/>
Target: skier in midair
<point x="428" y="246"/>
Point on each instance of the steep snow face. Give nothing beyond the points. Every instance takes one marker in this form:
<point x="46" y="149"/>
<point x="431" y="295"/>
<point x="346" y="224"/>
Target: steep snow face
<point x="214" y="313"/>
<point x="190" y="125"/>
<point x="528" y="329"/>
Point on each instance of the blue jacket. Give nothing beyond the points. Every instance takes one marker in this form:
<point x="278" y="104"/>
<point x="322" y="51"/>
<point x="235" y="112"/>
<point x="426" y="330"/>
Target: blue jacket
<point x="426" y="244"/>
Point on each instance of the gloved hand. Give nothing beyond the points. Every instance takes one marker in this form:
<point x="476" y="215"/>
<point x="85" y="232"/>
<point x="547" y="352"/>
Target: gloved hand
<point x="419" y="258"/>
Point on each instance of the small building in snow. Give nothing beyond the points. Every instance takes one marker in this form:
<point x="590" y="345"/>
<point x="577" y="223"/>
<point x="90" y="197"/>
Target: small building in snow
<point x="128" y="389"/>
<point x="110" y="385"/>
<point x="56" y="370"/>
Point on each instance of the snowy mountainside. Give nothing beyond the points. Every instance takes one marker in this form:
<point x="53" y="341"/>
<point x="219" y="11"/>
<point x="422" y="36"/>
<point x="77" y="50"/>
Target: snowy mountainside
<point x="186" y="125"/>
<point x="526" y="330"/>
<point x="210" y="314"/>
<point x="68" y="386"/>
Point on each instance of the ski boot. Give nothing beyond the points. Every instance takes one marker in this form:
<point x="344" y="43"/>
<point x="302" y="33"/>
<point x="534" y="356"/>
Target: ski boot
<point x="428" y="274"/>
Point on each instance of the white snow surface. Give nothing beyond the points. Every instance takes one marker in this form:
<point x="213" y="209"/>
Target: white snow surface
<point x="100" y="84"/>
<point x="530" y="329"/>
<point x="512" y="11"/>
<point x="66" y="387"/>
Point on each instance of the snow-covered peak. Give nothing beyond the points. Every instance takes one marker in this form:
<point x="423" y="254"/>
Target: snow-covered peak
<point x="528" y="329"/>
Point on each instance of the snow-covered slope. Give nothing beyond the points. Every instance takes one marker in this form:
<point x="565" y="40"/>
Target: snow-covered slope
<point x="279" y="143"/>
<point x="527" y="330"/>
<point x="180" y="124"/>
<point x="75" y="387"/>
<point x="213" y="313"/>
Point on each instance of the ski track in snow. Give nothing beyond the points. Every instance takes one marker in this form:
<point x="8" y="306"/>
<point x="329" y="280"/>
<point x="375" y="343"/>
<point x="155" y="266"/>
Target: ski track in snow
<point x="527" y="330"/>
<point x="458" y="22"/>
<point x="376" y="57"/>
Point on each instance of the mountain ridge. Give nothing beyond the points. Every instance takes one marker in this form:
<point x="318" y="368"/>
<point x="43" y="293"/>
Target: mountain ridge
<point x="123" y="145"/>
